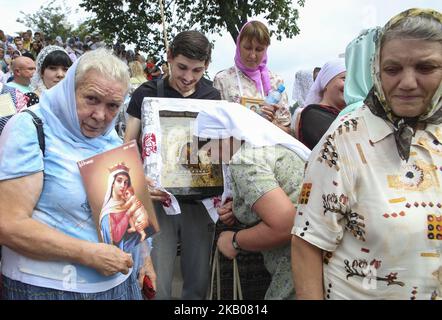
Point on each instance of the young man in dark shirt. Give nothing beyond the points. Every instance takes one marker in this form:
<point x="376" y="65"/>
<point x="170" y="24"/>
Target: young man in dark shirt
<point x="188" y="58"/>
<point x="203" y="90"/>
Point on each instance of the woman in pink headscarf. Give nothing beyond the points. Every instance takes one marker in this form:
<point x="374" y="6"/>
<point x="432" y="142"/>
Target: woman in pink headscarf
<point x="249" y="78"/>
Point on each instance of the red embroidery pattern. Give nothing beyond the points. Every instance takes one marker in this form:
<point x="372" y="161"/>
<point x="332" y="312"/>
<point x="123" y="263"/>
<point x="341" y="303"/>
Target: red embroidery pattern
<point x="394" y="215"/>
<point x="149" y="145"/>
<point x="216" y="201"/>
<point x="423" y="204"/>
<point x="167" y="202"/>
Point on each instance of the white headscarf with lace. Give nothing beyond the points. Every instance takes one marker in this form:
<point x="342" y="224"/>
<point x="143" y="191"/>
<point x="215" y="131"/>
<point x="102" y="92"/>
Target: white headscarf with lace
<point x="37" y="83"/>
<point x="303" y="83"/>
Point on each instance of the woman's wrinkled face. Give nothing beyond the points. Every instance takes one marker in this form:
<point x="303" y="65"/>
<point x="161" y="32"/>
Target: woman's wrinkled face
<point x="121" y="183"/>
<point x="411" y="72"/>
<point x="335" y="90"/>
<point x="252" y="52"/>
<point x="98" y="101"/>
<point x="52" y="75"/>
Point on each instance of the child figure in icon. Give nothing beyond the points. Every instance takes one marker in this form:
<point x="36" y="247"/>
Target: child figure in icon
<point x="138" y="219"/>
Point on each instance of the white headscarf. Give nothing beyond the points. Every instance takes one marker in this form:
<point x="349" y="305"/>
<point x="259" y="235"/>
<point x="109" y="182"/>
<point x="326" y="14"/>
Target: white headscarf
<point x="109" y="203"/>
<point x="59" y="108"/>
<point x="330" y="70"/>
<point x="37" y="83"/>
<point x="233" y="120"/>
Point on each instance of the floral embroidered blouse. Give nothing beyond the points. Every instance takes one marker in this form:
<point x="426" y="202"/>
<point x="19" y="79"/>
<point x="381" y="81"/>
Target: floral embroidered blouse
<point x="377" y="218"/>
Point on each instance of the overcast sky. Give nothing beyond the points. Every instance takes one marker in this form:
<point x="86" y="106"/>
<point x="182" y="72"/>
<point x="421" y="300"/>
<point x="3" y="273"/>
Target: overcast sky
<point x="327" y="26"/>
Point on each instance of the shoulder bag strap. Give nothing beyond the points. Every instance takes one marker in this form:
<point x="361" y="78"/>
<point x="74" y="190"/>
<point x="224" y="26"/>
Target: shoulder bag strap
<point x="39" y="126"/>
<point x="237" y="291"/>
<point x="160" y="88"/>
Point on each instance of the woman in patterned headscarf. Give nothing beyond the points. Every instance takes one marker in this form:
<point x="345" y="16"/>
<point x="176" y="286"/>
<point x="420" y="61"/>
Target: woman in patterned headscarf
<point x="370" y="217"/>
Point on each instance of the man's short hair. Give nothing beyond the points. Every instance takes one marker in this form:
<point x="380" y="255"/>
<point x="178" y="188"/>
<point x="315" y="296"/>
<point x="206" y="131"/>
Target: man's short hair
<point x="193" y="45"/>
<point x="29" y="55"/>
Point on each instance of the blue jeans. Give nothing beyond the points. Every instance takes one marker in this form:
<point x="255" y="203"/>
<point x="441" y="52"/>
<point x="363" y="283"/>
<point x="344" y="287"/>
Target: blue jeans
<point x="16" y="290"/>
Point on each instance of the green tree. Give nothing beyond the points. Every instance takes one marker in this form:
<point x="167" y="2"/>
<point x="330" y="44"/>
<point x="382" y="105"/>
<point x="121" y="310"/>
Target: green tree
<point x="139" y="21"/>
<point x="52" y="20"/>
<point x="85" y="28"/>
<point x="49" y="19"/>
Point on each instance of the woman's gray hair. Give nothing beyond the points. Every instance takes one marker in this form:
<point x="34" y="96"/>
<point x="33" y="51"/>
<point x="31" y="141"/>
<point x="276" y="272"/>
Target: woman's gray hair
<point x="415" y="27"/>
<point x="103" y="61"/>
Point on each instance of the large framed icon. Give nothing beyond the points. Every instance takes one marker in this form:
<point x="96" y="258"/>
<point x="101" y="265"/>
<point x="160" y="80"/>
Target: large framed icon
<point x="118" y="197"/>
<point x="187" y="168"/>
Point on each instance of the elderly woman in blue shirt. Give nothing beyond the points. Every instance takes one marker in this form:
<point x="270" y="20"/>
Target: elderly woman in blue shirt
<point x="51" y="247"/>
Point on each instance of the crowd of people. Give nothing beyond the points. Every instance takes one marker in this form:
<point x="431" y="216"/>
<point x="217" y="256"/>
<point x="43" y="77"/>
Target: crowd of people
<point x="22" y="61"/>
<point x="338" y="200"/>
